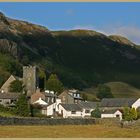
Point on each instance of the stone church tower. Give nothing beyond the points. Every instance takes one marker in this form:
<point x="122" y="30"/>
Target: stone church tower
<point x="30" y="79"/>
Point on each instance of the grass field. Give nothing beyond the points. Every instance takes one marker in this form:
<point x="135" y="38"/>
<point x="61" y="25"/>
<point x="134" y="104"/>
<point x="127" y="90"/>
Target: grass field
<point x="68" y="131"/>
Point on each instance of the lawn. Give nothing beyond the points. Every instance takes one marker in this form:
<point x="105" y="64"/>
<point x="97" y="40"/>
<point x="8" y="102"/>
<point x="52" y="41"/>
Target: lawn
<point x="68" y="131"/>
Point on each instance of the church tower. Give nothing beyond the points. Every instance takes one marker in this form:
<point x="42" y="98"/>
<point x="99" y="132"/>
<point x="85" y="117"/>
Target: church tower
<point x="30" y="79"/>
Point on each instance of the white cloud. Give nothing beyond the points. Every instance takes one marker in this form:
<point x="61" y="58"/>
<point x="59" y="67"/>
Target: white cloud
<point x="131" y="32"/>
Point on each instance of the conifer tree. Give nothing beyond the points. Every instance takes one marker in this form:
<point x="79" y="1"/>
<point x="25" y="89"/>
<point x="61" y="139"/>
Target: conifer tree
<point x="22" y="107"/>
<point x="54" y="84"/>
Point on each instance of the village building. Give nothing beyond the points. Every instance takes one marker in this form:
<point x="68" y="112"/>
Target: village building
<point x="119" y="103"/>
<point x="48" y="96"/>
<point x="30" y="79"/>
<point x="8" y="99"/>
<point x="88" y="107"/>
<point x="70" y="110"/>
<point x="113" y="107"/>
<point x="112" y="114"/>
<point x="51" y="109"/>
<point x="6" y="85"/>
<point x="35" y="96"/>
<point x="40" y="102"/>
<point x="70" y="97"/>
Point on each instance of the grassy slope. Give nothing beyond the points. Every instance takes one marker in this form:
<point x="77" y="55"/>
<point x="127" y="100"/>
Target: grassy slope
<point x="119" y="89"/>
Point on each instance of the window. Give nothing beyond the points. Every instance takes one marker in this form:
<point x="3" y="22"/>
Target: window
<point x="87" y="111"/>
<point x="117" y="115"/>
<point x="73" y="112"/>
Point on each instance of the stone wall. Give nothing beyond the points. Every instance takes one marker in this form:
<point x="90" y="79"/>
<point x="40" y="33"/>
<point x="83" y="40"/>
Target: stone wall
<point x="108" y="121"/>
<point x="45" y="121"/>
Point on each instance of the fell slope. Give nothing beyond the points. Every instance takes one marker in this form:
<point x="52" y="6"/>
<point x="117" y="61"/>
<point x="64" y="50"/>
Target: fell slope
<point x="81" y="58"/>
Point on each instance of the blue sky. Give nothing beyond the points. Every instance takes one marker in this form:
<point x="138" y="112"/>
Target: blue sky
<point x="109" y="18"/>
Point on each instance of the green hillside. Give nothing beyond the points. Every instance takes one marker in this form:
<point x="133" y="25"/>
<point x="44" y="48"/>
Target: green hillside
<point x="80" y="58"/>
<point x="118" y="89"/>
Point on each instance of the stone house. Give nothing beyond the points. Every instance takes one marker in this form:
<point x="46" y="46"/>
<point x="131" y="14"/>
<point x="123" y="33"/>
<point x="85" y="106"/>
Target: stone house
<point x="35" y="96"/>
<point x="6" y="85"/>
<point x="8" y="99"/>
<point x="70" y="97"/>
<point x="48" y="97"/>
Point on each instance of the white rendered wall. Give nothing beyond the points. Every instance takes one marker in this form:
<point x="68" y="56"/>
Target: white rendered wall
<point x="67" y="114"/>
<point x="136" y="104"/>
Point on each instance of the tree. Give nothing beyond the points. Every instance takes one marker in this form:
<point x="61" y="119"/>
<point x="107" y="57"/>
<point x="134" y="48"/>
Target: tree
<point x="130" y="114"/>
<point x="42" y="78"/>
<point x="126" y="114"/>
<point x="22" y="107"/>
<point x="84" y="96"/>
<point x="96" y="113"/>
<point x="16" y="86"/>
<point x="103" y="91"/>
<point x="133" y="113"/>
<point x="54" y="84"/>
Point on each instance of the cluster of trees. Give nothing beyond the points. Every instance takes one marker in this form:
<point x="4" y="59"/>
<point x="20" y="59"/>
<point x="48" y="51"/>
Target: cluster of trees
<point x="16" y="86"/>
<point x="130" y="114"/>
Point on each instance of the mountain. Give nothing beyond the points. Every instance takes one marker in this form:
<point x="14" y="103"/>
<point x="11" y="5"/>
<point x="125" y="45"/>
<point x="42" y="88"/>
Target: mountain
<point x="80" y="58"/>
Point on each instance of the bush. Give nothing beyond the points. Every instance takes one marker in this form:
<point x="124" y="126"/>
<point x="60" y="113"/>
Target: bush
<point x="103" y="91"/>
<point x="22" y="107"/>
<point x="130" y="114"/>
<point x="96" y="113"/>
<point x="16" y="86"/>
<point x="35" y="110"/>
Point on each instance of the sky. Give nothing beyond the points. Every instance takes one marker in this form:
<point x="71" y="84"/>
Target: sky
<point x="105" y="17"/>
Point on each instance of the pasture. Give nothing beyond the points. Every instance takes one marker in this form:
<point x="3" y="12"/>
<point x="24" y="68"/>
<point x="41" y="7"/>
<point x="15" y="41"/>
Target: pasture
<point x="69" y="131"/>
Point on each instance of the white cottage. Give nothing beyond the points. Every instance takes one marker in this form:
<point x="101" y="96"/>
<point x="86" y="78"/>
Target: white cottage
<point x="88" y="107"/>
<point x="40" y="102"/>
<point x="136" y="104"/>
<point x="111" y="114"/>
<point x="70" y="110"/>
<point x="49" y="110"/>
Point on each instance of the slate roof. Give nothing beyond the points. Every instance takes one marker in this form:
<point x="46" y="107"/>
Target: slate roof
<point x="9" y="95"/>
<point x="117" y="102"/>
<point x="71" y="107"/>
<point x="89" y="105"/>
<point x="112" y="111"/>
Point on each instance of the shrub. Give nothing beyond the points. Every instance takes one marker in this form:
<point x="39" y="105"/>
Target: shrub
<point x="96" y="113"/>
<point x="103" y="91"/>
